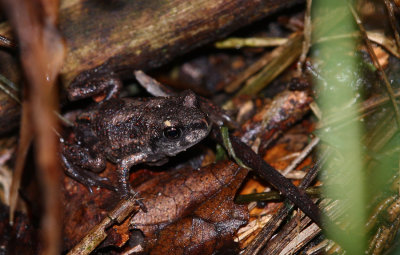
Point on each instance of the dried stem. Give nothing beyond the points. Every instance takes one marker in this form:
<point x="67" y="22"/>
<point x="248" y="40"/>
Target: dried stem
<point x="393" y="21"/>
<point x="307" y="37"/>
<point x="271" y="175"/>
<point x="126" y="207"/>
<point x="377" y="64"/>
<point x="238" y="43"/>
<point x="279" y="59"/>
<point x="273" y="195"/>
<point x="269" y="229"/>
<point x="5" y="42"/>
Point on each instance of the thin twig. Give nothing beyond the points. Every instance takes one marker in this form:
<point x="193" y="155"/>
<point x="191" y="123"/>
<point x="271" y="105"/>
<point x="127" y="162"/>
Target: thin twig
<point x="251" y="70"/>
<point x="5" y="42"/>
<point x="252" y="226"/>
<point x="366" y="106"/>
<point x="5" y="179"/>
<point x="238" y="43"/>
<point x="9" y="83"/>
<point x="229" y="148"/>
<point x="377" y="64"/>
<point x="382" y="133"/>
<point x="388" y="43"/>
<point x="294" y="163"/>
<point x="271" y="175"/>
<point x="307" y="37"/>
<point x="9" y="93"/>
<point x="12" y="95"/>
<point x="280" y="59"/>
<point x="317" y="249"/>
<point x="377" y="37"/>
<point x="393" y="21"/>
<point x="125" y="208"/>
<point x="304" y="153"/>
<point x="25" y="140"/>
<point x="273" y="195"/>
<point x="268" y="230"/>
<point x="290" y="239"/>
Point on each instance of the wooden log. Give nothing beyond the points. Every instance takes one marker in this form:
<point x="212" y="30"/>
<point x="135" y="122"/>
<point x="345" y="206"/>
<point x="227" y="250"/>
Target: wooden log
<point x="116" y="37"/>
<point x="122" y="35"/>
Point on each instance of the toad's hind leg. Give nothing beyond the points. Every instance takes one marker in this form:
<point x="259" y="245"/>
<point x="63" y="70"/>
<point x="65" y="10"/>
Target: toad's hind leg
<point x="87" y="178"/>
<point x="80" y="166"/>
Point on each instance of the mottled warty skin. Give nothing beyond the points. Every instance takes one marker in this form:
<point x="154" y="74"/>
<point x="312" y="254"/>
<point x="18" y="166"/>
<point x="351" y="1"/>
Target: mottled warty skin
<point x="131" y="131"/>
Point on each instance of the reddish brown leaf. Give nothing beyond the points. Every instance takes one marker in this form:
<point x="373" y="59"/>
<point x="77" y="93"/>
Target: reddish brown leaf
<point x="179" y="193"/>
<point x="202" y="197"/>
<point x="209" y="228"/>
<point x="83" y="210"/>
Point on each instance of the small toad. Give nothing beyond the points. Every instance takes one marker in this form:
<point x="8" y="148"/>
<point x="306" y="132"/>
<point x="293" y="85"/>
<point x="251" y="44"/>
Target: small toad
<point x="130" y="131"/>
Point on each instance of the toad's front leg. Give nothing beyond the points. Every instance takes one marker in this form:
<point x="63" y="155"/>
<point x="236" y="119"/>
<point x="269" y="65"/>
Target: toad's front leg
<point x="124" y="167"/>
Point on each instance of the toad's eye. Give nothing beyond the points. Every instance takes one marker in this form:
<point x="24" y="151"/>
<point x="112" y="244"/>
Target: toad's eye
<point x="172" y="133"/>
